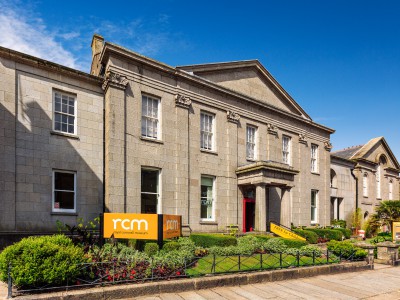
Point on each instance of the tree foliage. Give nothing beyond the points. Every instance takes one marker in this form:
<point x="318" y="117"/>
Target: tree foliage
<point x="386" y="213"/>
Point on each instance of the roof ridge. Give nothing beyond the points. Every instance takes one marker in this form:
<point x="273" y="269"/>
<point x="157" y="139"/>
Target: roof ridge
<point x="348" y="148"/>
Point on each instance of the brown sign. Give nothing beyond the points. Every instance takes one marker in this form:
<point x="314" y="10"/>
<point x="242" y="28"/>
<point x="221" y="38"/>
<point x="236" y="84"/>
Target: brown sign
<point x="171" y="226"/>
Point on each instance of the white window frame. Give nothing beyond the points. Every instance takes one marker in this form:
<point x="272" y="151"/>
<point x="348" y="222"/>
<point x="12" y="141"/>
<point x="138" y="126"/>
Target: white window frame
<point x="390" y="189"/>
<point x="75" y="115"/>
<point x="149" y="118"/>
<point x="251" y="142"/>
<point x="213" y="198"/>
<point x="207" y="132"/>
<point x="365" y="185"/>
<point x="314" y="158"/>
<point x="286" y="153"/>
<point x="315" y="207"/>
<point x="159" y="197"/>
<point x="67" y="191"/>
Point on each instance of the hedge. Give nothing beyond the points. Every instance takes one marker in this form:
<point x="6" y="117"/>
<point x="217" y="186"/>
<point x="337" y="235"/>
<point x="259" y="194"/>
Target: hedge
<point x="42" y="260"/>
<point x="346" y="232"/>
<point x="207" y="240"/>
<point x="310" y="236"/>
<point x="293" y="243"/>
<point x="330" y="234"/>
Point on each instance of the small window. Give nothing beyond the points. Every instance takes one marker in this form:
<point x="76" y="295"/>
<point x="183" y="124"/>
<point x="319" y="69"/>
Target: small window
<point x="64" y="113"/>
<point x="251" y="142"/>
<point x="207" y="198"/>
<point x="150" y="193"/>
<point x="206" y="131"/>
<point x="365" y="185"/>
<point x="391" y="190"/>
<point x="378" y="182"/>
<point x="64" y="191"/>
<point x="314" y="158"/>
<point x="150" y="117"/>
<point x="286" y="149"/>
<point x="314" y="206"/>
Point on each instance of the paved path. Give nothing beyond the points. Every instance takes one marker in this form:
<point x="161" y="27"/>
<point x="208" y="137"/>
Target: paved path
<point x="381" y="283"/>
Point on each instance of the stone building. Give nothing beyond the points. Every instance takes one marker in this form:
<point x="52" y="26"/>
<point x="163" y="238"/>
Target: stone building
<point x="51" y="145"/>
<point x="362" y="176"/>
<point x="219" y="144"/>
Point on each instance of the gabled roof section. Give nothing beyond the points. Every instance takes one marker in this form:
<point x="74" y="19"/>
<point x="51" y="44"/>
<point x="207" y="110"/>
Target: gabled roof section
<point x="251" y="78"/>
<point x="347" y="153"/>
<point x="369" y="151"/>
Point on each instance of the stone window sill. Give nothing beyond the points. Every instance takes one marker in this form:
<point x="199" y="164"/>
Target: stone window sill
<point x="316" y="173"/>
<point x="204" y="222"/>
<point x="209" y="152"/>
<point x="60" y="213"/>
<point x="67" y="135"/>
<point x="143" y="138"/>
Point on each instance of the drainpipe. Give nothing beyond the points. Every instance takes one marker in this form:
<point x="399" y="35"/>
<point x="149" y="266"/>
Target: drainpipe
<point x="356" y="179"/>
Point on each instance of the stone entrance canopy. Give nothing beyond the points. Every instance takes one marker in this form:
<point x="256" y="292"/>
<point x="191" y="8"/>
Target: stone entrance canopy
<point x="265" y="175"/>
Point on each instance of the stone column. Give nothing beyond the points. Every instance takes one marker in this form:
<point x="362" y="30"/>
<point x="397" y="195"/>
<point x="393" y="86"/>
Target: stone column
<point x="261" y="208"/>
<point x="286" y="217"/>
<point x="115" y="142"/>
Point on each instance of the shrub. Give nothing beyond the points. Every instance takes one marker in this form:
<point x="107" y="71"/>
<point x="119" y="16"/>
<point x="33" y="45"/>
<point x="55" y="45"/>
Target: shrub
<point x="264" y="237"/>
<point x="208" y="240"/>
<point x="341" y="223"/>
<point x="346" y="232"/>
<point x="186" y="244"/>
<point x="294" y="243"/>
<point x="346" y="249"/>
<point x="310" y="236"/>
<point x="330" y="234"/>
<point x="42" y="260"/>
<point x="151" y="249"/>
<point x="308" y="250"/>
<point x="275" y="245"/>
<point x="170" y="246"/>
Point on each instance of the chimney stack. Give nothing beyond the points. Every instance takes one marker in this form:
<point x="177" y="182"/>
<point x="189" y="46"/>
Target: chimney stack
<point x="97" y="47"/>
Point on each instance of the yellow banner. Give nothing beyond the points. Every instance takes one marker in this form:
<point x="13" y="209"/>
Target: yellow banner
<point x="285" y="233"/>
<point x="131" y="226"/>
<point x="171" y="226"/>
<point x="396" y="231"/>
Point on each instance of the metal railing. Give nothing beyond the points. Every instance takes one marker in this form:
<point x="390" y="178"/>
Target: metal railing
<point x="115" y="272"/>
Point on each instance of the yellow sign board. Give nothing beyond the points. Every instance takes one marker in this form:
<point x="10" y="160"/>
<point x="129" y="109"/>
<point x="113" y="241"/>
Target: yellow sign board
<point x="285" y="233"/>
<point x="396" y="231"/>
<point x="171" y="226"/>
<point x="131" y="226"/>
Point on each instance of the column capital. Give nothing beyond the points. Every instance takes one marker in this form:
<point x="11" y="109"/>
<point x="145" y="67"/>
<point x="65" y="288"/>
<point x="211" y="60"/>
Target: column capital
<point x="232" y="116"/>
<point x="114" y="79"/>
<point x="182" y="101"/>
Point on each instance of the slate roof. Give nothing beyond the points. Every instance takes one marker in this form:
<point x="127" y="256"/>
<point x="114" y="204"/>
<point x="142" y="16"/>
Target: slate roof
<point x="347" y="153"/>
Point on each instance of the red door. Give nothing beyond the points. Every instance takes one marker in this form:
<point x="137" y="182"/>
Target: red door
<point x="248" y="214"/>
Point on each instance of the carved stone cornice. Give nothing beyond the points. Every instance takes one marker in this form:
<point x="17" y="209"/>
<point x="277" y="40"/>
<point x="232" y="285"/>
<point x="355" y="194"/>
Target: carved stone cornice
<point x="232" y="116"/>
<point x="328" y="146"/>
<point x="272" y="129"/>
<point x="114" y="79"/>
<point x="182" y="101"/>
<point x="302" y="138"/>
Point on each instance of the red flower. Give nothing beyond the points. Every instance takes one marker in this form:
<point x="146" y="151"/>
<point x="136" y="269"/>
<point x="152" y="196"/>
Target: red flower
<point x="178" y="273"/>
<point x="109" y="278"/>
<point x="133" y="272"/>
<point x="131" y="277"/>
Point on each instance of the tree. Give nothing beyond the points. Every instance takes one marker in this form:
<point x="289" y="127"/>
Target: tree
<point x="386" y="213"/>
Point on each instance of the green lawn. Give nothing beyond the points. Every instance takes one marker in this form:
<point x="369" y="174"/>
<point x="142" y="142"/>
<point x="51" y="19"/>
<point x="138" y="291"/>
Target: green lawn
<point x="227" y="264"/>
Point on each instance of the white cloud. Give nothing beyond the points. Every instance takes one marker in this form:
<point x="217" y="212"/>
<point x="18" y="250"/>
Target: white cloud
<point x="23" y="32"/>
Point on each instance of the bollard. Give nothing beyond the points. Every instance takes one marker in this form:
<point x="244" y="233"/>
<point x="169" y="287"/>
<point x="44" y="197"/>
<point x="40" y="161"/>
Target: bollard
<point x="9" y="294"/>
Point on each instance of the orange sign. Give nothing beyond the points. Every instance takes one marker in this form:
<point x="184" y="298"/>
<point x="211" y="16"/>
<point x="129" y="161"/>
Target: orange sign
<point x="131" y="226"/>
<point x="171" y="226"/>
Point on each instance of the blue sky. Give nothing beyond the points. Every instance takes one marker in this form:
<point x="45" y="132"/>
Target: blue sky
<point x="340" y="60"/>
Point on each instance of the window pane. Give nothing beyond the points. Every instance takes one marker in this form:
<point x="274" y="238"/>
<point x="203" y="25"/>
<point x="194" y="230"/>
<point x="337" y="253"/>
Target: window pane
<point x="64" y="181"/>
<point x="70" y="128"/>
<point x="57" y="126"/>
<point x="57" y="107"/>
<point x="150" y="181"/>
<point x="149" y="203"/>
<point x="63" y="200"/>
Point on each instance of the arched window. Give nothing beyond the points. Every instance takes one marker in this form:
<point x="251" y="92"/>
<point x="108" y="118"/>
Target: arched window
<point x="365" y="185"/>
<point x="390" y="189"/>
<point x="366" y="214"/>
<point x="381" y="164"/>
<point x="333" y="179"/>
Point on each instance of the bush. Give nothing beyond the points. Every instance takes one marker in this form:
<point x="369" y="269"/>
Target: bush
<point x="330" y="234"/>
<point x="208" y="240"/>
<point x="341" y="223"/>
<point x="308" y="250"/>
<point x="293" y="243"/>
<point x="275" y="245"/>
<point x="151" y="249"/>
<point x="346" y="249"/>
<point x="346" y="232"/>
<point x="170" y="246"/>
<point x="42" y="260"/>
<point x="264" y="237"/>
<point x="310" y="236"/>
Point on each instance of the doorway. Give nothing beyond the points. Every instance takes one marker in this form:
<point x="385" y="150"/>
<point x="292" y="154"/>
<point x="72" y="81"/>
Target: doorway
<point x="249" y="210"/>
